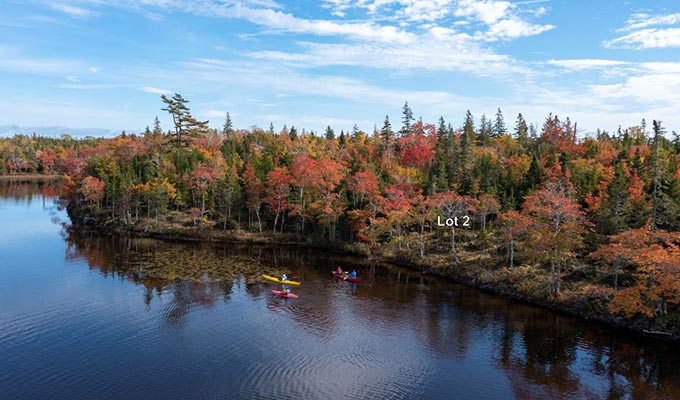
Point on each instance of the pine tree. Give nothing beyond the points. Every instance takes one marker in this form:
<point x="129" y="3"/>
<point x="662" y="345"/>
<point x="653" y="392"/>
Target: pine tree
<point x="330" y="133"/>
<point x="228" y="127"/>
<point x="341" y="140"/>
<point x="466" y="152"/>
<point x="665" y="185"/>
<point x="293" y="133"/>
<point x="355" y="133"/>
<point x="271" y="128"/>
<point x="656" y="171"/>
<point x="157" y="126"/>
<point x="499" y="129"/>
<point x="440" y="171"/>
<point x="612" y="215"/>
<point x="387" y="136"/>
<point x="407" y="120"/>
<point x="484" y="135"/>
<point x="535" y="173"/>
<point x="182" y="119"/>
<point x="522" y="131"/>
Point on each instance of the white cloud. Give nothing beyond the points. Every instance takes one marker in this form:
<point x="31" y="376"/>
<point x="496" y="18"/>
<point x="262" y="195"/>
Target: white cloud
<point x="641" y="21"/>
<point x="221" y="73"/>
<point x="502" y="18"/>
<point x="642" y="31"/>
<point x="90" y="86"/>
<point x="154" y="90"/>
<point x="13" y="61"/>
<point x="513" y="28"/>
<point x="654" y="88"/>
<point x="646" y="39"/>
<point x="586" y="63"/>
<point x="74" y="11"/>
<point x="214" y="113"/>
<point x="487" y="11"/>
<point x="427" y="54"/>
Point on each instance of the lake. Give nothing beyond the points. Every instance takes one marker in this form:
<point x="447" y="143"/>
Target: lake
<point x="85" y="317"/>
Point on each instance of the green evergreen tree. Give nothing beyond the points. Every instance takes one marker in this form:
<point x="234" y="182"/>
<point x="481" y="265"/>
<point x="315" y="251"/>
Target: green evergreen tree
<point x="535" y="173"/>
<point x="228" y="127"/>
<point x="440" y="171"/>
<point x="387" y="136"/>
<point x="407" y="120"/>
<point x="157" y="126"/>
<point x="498" y="129"/>
<point x="522" y="131"/>
<point x="355" y="133"/>
<point x="614" y="212"/>
<point x="330" y="133"/>
<point x="341" y="140"/>
<point x="665" y="185"/>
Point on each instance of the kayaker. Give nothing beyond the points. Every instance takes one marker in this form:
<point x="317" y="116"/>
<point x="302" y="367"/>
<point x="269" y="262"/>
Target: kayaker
<point x="353" y="274"/>
<point x="284" y="277"/>
<point x="286" y="291"/>
<point x="339" y="271"/>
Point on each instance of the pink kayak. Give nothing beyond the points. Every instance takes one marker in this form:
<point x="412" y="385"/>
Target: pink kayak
<point x="344" y="277"/>
<point x="283" y="294"/>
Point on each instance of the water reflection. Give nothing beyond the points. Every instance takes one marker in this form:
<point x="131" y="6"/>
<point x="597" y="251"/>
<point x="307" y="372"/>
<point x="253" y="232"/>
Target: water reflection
<point x="542" y="354"/>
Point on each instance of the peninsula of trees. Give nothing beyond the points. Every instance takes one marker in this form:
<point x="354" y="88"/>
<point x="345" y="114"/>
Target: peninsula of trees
<point x="590" y="222"/>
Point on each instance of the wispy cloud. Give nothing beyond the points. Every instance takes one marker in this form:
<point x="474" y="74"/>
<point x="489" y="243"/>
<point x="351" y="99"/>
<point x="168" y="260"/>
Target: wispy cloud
<point x="586" y="63"/>
<point x="15" y="61"/>
<point x="644" y="31"/>
<point x="149" y="89"/>
<point x="74" y="11"/>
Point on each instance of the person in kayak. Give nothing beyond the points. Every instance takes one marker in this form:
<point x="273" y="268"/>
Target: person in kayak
<point x="286" y="291"/>
<point x="353" y="274"/>
<point x="284" y="277"/>
<point x="339" y="270"/>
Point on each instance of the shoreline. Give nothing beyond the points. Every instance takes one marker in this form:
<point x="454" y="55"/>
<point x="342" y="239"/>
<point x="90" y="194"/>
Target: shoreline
<point x="635" y="328"/>
<point x="30" y="177"/>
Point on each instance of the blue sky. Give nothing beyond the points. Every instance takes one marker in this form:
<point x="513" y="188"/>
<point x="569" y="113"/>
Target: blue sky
<point x="104" y="64"/>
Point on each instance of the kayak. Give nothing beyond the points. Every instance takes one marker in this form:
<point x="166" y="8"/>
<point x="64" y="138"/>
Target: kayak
<point x="344" y="277"/>
<point x="282" y="294"/>
<point x="277" y="280"/>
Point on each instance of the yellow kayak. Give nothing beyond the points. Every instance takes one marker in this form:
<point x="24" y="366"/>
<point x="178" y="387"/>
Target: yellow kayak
<point x="277" y="280"/>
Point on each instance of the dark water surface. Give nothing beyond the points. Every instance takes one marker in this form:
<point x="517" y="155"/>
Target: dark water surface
<point x="113" y="318"/>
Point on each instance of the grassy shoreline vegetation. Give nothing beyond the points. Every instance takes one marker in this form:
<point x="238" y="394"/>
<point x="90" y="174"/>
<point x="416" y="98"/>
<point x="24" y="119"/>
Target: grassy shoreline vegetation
<point x="588" y="224"/>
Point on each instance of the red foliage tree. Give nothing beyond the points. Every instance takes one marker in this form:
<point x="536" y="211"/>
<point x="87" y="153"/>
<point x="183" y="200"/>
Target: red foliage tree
<point x="254" y="192"/>
<point x="92" y="189"/>
<point x="276" y="192"/>
<point x="557" y="226"/>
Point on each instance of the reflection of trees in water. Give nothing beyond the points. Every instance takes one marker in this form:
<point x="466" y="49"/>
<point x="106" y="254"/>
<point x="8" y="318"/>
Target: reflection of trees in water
<point x="544" y="355"/>
<point x="191" y="275"/>
<point x="47" y="192"/>
<point x="28" y="190"/>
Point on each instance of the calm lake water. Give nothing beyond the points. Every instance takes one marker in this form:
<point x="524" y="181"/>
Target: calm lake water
<point x="84" y="317"/>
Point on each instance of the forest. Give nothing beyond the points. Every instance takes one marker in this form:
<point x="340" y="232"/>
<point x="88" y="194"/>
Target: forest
<point x="590" y="222"/>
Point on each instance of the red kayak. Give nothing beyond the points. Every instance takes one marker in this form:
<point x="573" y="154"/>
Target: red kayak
<point x="283" y="294"/>
<point x="344" y="277"/>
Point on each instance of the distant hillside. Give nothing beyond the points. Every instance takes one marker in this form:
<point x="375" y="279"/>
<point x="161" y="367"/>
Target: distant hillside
<point x="53" y="131"/>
